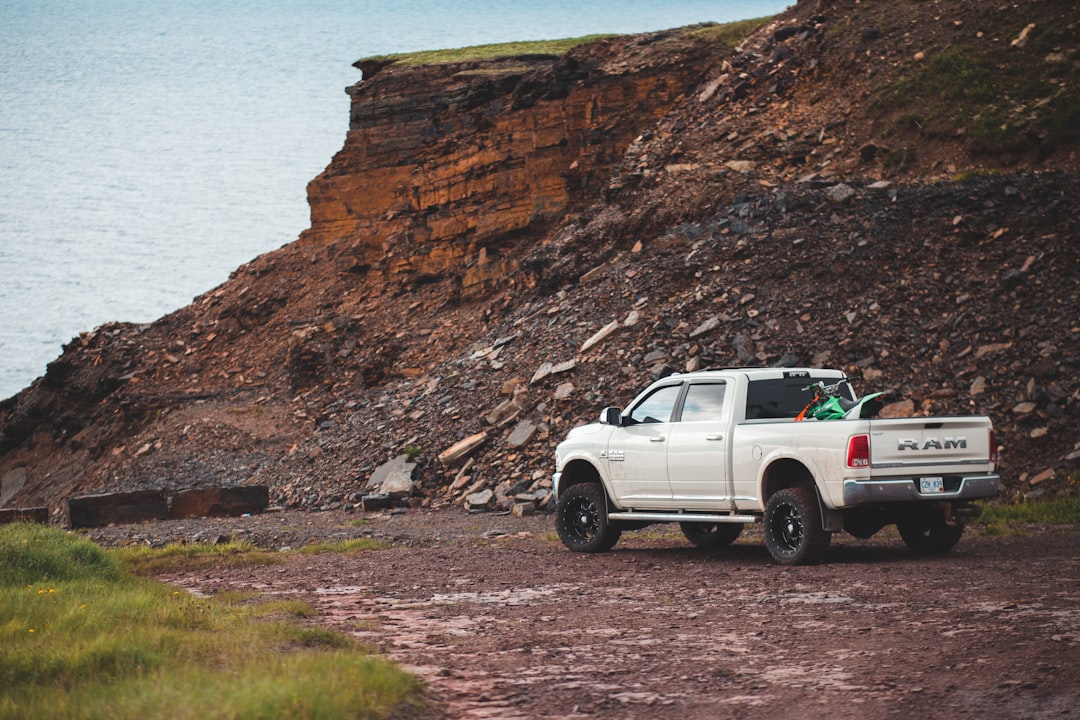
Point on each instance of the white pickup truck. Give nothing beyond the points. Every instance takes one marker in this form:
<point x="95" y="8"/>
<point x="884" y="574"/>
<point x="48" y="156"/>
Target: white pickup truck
<point x="719" y="449"/>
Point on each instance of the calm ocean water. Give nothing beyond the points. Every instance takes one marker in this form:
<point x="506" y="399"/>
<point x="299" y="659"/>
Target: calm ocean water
<point x="148" y="148"/>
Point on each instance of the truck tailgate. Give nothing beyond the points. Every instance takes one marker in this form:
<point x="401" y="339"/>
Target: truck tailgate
<point x="934" y="444"/>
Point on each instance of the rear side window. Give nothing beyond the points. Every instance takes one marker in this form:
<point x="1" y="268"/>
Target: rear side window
<point x="782" y="397"/>
<point x="703" y="402"/>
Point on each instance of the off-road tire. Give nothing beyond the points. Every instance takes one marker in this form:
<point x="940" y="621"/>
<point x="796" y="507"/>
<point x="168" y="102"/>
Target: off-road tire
<point x="928" y="533"/>
<point x="793" y="530"/>
<point x="581" y="519"/>
<point x="711" y="535"/>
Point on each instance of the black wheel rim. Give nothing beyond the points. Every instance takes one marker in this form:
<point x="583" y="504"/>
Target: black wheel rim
<point x="584" y="519"/>
<point x="788" y="529"/>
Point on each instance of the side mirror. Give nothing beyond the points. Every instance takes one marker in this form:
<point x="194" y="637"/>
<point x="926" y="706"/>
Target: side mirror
<point x="611" y="416"/>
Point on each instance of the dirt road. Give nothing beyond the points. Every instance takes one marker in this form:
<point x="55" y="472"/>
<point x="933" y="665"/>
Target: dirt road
<point x="503" y="622"/>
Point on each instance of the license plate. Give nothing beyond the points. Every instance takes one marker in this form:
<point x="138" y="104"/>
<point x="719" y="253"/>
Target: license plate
<point x="931" y="485"/>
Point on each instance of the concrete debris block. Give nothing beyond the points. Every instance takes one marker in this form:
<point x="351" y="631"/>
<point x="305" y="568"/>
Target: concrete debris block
<point x="1024" y="408"/>
<point x="384" y="471"/>
<point x="503" y="412"/>
<point x="548" y="369"/>
<point x="131" y="507"/>
<point x="480" y="500"/>
<point x="600" y="335"/>
<point x="632" y="319"/>
<point x="511" y="385"/>
<point x="38" y="515"/>
<point x="741" y="166"/>
<point x="522" y="434"/>
<point x="564" y="391"/>
<point x="707" y="326"/>
<point x="713" y="85"/>
<point x="656" y="356"/>
<point x="220" y="501"/>
<point x="463" y="476"/>
<point x="1043" y="476"/>
<point x="462" y="449"/>
<point x="521" y="509"/>
<point x="978" y="386"/>
<point x="400" y="484"/>
<point x="541" y="372"/>
<point x="840" y="193"/>
<point x="375" y="501"/>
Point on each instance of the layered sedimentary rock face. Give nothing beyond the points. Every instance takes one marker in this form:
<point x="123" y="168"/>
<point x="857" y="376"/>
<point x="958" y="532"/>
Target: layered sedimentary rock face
<point x="447" y="169"/>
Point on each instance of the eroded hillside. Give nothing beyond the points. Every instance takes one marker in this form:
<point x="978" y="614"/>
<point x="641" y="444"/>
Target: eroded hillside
<point x="817" y="195"/>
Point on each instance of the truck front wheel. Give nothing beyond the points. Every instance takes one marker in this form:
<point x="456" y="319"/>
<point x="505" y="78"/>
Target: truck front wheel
<point x="793" y="530"/>
<point x="582" y="522"/>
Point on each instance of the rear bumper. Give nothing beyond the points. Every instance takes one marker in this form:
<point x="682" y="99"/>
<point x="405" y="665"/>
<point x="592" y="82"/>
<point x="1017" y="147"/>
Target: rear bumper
<point x="907" y="490"/>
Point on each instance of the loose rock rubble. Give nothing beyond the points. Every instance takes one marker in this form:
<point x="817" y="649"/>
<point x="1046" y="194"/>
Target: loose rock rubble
<point x="773" y="213"/>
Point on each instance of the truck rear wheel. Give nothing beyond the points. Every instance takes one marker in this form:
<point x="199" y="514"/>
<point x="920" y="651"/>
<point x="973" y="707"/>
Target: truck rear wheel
<point x="793" y="530"/>
<point x="711" y="535"/>
<point x="929" y="532"/>
<point x="581" y="519"/>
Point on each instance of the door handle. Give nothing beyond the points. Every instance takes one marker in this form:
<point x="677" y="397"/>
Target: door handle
<point x="714" y="437"/>
<point x="656" y="438"/>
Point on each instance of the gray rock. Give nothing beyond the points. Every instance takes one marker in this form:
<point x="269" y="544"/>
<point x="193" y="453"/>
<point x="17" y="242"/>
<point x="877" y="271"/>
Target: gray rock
<point x="839" y="194"/>
<point x="480" y="500"/>
<point x="522" y="434"/>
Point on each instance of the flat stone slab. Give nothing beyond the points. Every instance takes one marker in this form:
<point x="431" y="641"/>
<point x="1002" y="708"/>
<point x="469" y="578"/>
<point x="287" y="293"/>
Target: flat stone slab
<point x="220" y="501"/>
<point x="109" y="508"/>
<point x="31" y="515"/>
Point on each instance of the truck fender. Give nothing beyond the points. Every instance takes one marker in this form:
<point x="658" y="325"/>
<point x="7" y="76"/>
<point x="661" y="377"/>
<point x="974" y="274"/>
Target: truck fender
<point x="585" y="467"/>
<point x="783" y="468"/>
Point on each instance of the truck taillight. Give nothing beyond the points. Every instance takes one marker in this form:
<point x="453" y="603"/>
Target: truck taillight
<point x="858" y="451"/>
<point x="993" y="447"/>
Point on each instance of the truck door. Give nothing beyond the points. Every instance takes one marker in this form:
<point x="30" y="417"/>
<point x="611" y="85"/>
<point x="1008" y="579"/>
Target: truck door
<point x="637" y="451"/>
<point x="697" y="450"/>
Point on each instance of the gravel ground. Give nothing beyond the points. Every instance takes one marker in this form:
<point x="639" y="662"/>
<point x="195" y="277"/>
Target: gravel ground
<point x="503" y="622"/>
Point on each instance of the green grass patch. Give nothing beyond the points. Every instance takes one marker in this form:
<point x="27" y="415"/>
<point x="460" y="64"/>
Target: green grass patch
<point x="354" y="545"/>
<point x="494" y="51"/>
<point x="80" y="637"/>
<point x="1059" y="511"/>
<point x="993" y="98"/>
<point x="144" y="560"/>
<point x="728" y="34"/>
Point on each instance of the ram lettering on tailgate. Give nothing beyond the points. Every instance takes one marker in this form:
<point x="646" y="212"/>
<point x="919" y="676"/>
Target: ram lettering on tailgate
<point x="932" y="443"/>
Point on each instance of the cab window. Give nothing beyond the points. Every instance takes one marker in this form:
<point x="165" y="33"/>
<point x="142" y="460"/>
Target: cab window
<point x="703" y="402"/>
<point x="657" y="407"/>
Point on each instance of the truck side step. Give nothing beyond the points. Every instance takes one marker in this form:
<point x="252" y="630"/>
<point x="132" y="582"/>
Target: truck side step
<point x="682" y="517"/>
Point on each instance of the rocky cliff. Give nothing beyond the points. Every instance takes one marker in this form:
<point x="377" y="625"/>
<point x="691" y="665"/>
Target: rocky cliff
<point x="502" y="247"/>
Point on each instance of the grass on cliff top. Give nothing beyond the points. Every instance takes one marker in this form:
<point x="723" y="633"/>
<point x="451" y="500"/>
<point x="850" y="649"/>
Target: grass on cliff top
<point x="81" y="637"/>
<point x="488" y="52"/>
<point x="729" y="34"/>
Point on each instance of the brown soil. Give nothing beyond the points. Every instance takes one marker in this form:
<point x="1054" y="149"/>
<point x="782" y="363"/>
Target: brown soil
<point x="503" y="622"/>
